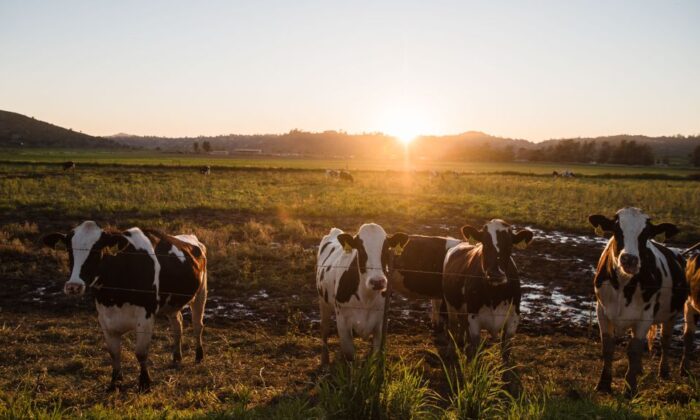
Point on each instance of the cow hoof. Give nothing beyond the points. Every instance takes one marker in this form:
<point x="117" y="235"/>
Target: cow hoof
<point x="604" y="388"/>
<point x="112" y="387"/>
<point x="664" y="374"/>
<point x="199" y="356"/>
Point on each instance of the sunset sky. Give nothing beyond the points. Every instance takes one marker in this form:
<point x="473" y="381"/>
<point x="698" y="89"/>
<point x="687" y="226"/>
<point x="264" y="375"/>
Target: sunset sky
<point x="534" y="70"/>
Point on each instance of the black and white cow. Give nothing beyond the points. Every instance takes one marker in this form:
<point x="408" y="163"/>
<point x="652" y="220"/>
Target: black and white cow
<point x="68" y="165"/>
<point x="481" y="284"/>
<point x="150" y="273"/>
<point x="351" y="279"/>
<point x="691" y="311"/>
<point x="418" y="268"/>
<point x="346" y="176"/>
<point x="205" y="170"/>
<point x="639" y="284"/>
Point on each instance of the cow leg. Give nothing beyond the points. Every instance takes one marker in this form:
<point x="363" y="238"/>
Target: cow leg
<point x="438" y="307"/>
<point x="507" y="335"/>
<point x="176" y="327"/>
<point x="113" y="342"/>
<point x="453" y="327"/>
<point x="325" y="311"/>
<point x="345" y="335"/>
<point x="144" y="332"/>
<point x="377" y="338"/>
<point x="690" y="321"/>
<point x="607" y="339"/>
<point x="474" y="334"/>
<point x="197" y="308"/>
<point x="666" y="330"/>
<point x="635" y="348"/>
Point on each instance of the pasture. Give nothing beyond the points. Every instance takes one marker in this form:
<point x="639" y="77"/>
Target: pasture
<point x="261" y="227"/>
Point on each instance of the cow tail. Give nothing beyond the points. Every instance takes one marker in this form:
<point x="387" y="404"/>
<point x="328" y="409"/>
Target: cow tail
<point x="651" y="335"/>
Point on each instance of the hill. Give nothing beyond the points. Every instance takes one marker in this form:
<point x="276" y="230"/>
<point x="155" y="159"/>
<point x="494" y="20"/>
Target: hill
<point x="17" y="130"/>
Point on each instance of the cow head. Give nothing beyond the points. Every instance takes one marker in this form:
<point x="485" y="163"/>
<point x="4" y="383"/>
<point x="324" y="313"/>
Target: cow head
<point x="631" y="230"/>
<point x="373" y="247"/>
<point x="497" y="239"/>
<point x="86" y="245"/>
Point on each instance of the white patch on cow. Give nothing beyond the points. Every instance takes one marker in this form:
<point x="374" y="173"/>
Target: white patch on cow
<point x="451" y="242"/>
<point x="193" y="240"/>
<point x="632" y="222"/>
<point x="494" y="320"/>
<point x="180" y="255"/>
<point x="121" y="319"/>
<point x="139" y="241"/>
<point x="84" y="238"/>
<point x="495" y="226"/>
<point x="373" y="237"/>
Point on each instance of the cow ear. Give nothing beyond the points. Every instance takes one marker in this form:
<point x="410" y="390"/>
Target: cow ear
<point x="663" y="231"/>
<point x="52" y="239"/>
<point x="397" y="241"/>
<point x="522" y="238"/>
<point x="347" y="242"/>
<point x="110" y="239"/>
<point x="601" y="224"/>
<point x="471" y="234"/>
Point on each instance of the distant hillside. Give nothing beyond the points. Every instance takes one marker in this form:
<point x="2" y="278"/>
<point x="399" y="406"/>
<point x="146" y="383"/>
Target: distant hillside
<point x="17" y="130"/>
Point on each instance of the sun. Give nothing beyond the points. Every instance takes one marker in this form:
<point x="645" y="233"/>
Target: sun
<point x="406" y="125"/>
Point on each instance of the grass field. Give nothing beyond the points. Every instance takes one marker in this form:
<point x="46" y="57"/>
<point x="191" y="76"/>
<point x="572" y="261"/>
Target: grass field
<point x="187" y="159"/>
<point x="261" y="227"/>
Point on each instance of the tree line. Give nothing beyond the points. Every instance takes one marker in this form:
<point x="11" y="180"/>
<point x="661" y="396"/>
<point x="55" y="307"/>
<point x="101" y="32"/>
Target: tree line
<point x="625" y="152"/>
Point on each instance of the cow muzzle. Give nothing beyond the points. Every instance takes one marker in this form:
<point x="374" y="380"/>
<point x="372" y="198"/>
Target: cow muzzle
<point x="629" y="263"/>
<point x="378" y="284"/>
<point x="74" y="288"/>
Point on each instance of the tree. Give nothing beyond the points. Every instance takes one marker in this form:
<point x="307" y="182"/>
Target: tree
<point x="195" y="146"/>
<point x="695" y="159"/>
<point x="206" y="146"/>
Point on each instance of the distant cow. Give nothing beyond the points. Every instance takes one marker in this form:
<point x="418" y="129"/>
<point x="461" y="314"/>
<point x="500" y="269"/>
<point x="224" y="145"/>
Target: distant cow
<point x="151" y="273"/>
<point x="346" y="176"/>
<point x="205" y="170"/>
<point x="68" y="165"/>
<point x="691" y="311"/>
<point x="639" y="284"/>
<point x="351" y="279"/>
<point x="332" y="173"/>
<point x="481" y="284"/>
<point x="418" y="271"/>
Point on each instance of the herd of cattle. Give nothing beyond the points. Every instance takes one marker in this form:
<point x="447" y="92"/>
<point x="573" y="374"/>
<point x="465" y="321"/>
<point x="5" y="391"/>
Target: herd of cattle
<point x="640" y="285"/>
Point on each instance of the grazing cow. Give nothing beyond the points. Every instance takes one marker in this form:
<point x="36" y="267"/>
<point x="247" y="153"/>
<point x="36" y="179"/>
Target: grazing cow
<point x="205" y="170"/>
<point x="639" y="284"/>
<point x="346" y="176"/>
<point x="418" y="271"/>
<point x="150" y="273"/>
<point x="351" y="279"/>
<point x="332" y="173"/>
<point x="481" y="284"/>
<point x="68" y="165"/>
<point x="691" y="311"/>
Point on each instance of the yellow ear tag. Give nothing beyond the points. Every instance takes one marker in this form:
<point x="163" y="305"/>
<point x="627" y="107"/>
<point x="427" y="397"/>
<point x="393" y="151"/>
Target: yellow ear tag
<point x="398" y="250"/>
<point x="521" y="245"/>
<point x="471" y="241"/>
<point x="599" y="231"/>
<point x="347" y="248"/>
<point x="661" y="237"/>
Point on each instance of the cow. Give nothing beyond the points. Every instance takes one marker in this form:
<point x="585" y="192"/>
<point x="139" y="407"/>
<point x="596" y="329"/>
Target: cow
<point x="691" y="311"/>
<point x="482" y="287"/>
<point x="332" y="173"/>
<point x="351" y="280"/>
<point x="639" y="284"/>
<point x="68" y="165"/>
<point x="417" y="271"/>
<point x="205" y="170"/>
<point x="346" y="176"/>
<point x="150" y="273"/>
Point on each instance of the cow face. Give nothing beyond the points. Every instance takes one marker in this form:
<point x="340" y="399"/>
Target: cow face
<point x="497" y="239"/>
<point x="373" y="247"/>
<point x="86" y="245"/>
<point x="631" y="230"/>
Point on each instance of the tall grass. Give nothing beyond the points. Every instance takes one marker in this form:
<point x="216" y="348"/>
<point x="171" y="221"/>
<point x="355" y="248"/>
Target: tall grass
<point x="372" y="390"/>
